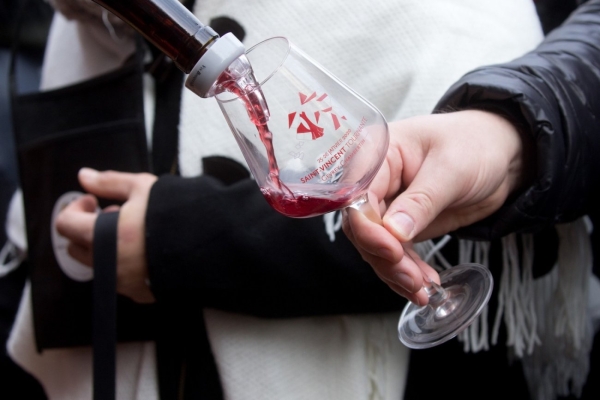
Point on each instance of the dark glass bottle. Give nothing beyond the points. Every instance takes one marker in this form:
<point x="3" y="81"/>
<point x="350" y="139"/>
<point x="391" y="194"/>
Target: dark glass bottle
<point x="168" y="25"/>
<point x="195" y="48"/>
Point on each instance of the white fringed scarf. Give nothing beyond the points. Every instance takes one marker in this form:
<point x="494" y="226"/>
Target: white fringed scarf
<point x="548" y="320"/>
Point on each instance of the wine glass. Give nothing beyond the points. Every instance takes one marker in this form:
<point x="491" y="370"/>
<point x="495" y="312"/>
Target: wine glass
<point x="313" y="146"/>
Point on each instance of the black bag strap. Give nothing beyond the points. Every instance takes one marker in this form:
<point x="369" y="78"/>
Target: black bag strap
<point x="165" y="132"/>
<point x="104" y="323"/>
<point x="169" y="86"/>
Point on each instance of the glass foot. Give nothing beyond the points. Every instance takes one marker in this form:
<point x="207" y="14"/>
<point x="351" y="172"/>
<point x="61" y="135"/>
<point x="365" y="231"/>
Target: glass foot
<point x="466" y="290"/>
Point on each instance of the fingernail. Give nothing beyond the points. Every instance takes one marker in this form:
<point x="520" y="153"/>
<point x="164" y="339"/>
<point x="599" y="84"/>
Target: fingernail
<point x="403" y="224"/>
<point x="405" y="281"/>
<point x="88" y="174"/>
<point x="419" y="302"/>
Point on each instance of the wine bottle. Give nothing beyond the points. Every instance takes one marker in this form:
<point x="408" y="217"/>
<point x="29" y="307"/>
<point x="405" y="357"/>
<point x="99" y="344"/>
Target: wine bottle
<point x="195" y="48"/>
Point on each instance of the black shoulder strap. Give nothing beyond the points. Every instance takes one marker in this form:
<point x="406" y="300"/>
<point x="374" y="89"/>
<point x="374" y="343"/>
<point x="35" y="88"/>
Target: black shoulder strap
<point x="168" y="87"/>
<point x="165" y="134"/>
<point x="104" y="325"/>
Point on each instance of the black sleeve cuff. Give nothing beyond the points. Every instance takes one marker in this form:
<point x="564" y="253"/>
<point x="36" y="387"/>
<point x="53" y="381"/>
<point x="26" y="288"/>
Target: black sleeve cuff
<point x="215" y="245"/>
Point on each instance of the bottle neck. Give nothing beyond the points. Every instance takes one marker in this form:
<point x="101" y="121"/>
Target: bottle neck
<point x="168" y="25"/>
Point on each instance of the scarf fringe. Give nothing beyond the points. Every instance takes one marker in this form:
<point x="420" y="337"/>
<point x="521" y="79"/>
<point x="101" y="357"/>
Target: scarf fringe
<point x="547" y="322"/>
<point x="333" y="223"/>
<point x="560" y="366"/>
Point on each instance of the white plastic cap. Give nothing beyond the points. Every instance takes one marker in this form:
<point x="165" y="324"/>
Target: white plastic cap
<point x="217" y="58"/>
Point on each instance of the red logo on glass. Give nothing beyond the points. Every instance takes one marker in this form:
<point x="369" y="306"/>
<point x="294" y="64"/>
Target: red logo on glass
<point x="308" y="125"/>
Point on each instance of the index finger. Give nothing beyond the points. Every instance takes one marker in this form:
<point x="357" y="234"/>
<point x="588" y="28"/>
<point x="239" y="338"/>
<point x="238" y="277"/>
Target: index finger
<point x="371" y="237"/>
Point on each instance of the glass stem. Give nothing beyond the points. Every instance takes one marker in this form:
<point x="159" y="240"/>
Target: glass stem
<point x="436" y="294"/>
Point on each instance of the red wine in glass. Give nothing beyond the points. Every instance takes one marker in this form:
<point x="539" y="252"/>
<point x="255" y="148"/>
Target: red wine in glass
<point x="299" y="205"/>
<point x="290" y="200"/>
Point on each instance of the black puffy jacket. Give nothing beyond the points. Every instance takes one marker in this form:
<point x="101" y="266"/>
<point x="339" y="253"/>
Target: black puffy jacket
<point x="552" y="94"/>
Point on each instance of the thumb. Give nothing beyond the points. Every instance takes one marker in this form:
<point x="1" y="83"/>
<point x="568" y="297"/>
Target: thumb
<point x="108" y="184"/>
<point x="431" y="191"/>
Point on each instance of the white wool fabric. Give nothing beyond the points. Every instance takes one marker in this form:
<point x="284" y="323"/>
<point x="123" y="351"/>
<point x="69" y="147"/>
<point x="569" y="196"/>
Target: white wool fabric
<point x="66" y="374"/>
<point x="401" y="55"/>
<point x="341" y="357"/>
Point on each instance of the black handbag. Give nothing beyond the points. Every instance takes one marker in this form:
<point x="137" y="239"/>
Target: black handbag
<point x="98" y="123"/>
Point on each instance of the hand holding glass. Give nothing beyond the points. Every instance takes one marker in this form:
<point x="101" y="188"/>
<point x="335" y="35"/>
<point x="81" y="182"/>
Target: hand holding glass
<point x="313" y="146"/>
